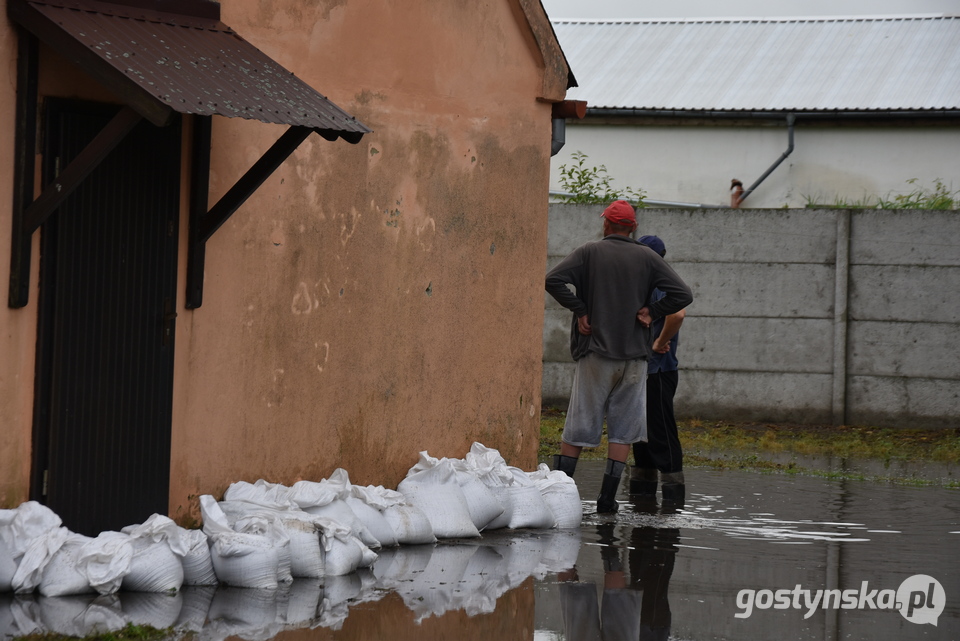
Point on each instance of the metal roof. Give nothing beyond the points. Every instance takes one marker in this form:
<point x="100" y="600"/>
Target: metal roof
<point x="187" y="63"/>
<point x="824" y="64"/>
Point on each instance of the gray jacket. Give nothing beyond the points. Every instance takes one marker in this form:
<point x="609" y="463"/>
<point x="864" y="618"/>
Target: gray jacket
<point x="614" y="278"/>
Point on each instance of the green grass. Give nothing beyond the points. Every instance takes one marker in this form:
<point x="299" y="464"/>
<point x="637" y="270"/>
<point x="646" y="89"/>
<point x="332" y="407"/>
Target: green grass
<point x="748" y="446"/>
<point x="129" y="633"/>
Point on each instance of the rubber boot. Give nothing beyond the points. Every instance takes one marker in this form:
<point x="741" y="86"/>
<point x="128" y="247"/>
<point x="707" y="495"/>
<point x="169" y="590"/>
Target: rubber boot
<point x="607" y="501"/>
<point x="674" y="490"/>
<point x="643" y="481"/>
<point x="566" y="464"/>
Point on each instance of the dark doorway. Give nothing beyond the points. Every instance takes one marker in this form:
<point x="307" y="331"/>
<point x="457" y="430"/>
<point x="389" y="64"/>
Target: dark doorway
<point x="108" y="276"/>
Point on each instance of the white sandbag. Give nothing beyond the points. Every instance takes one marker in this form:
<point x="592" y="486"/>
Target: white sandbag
<point x="8" y="567"/>
<point x="561" y="495"/>
<point x="306" y="556"/>
<point x="374" y="521"/>
<point x="338" y="510"/>
<point x="345" y="555"/>
<point x="260" y="492"/>
<point x="106" y="561"/>
<point x="197" y="565"/>
<point x="62" y="563"/>
<point x="62" y="575"/>
<point x="410" y="524"/>
<point x="437" y="494"/>
<point x="377" y="496"/>
<point x="529" y="508"/>
<point x="271" y="527"/>
<point x="481" y="502"/>
<point x="36" y="558"/>
<point x="158" y="549"/>
<point x="487" y="464"/>
<point x="20" y="527"/>
<point x="239" y="559"/>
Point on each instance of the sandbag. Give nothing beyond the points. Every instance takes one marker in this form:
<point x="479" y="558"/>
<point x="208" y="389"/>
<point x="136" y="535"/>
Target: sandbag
<point x="374" y="521"/>
<point x="8" y="566"/>
<point x="306" y="556"/>
<point x="260" y="492"/>
<point x="20" y="528"/>
<point x="437" y="494"/>
<point x="240" y="559"/>
<point x="410" y="524"/>
<point x="529" y="508"/>
<point x="158" y="550"/>
<point x="338" y="510"/>
<point x="482" y="505"/>
<point x="60" y="563"/>
<point x="197" y="565"/>
<point x="491" y="468"/>
<point x="561" y="495"/>
<point x="343" y="551"/>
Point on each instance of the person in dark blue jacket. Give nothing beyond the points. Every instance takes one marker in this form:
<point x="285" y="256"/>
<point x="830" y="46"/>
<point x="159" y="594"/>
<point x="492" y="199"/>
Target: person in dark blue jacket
<point x="662" y="452"/>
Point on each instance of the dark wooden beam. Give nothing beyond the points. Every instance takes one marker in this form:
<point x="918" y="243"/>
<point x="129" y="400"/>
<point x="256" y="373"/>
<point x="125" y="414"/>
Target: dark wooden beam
<point x="25" y="152"/>
<point x="203" y="227"/>
<point x="250" y="181"/>
<point x="79" y="168"/>
<point x="199" y="195"/>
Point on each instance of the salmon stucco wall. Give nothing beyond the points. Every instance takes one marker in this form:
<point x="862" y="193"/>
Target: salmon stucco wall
<point x="17" y="326"/>
<point x="371" y="301"/>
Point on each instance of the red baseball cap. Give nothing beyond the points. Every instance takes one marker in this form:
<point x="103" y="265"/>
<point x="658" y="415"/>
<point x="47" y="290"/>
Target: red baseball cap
<point x="620" y="212"/>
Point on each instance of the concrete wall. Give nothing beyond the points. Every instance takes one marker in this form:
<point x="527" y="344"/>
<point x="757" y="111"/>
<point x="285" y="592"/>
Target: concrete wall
<point x="695" y="163"/>
<point x="813" y="316"/>
<point x="369" y="301"/>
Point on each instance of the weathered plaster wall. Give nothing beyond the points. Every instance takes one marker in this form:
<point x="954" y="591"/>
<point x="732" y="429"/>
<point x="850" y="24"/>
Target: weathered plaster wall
<point x="17" y="327"/>
<point x="809" y="316"/>
<point x="696" y="163"/>
<point x="376" y="300"/>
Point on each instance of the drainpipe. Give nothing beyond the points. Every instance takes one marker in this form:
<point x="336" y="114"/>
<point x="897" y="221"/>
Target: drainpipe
<point x="561" y="111"/>
<point x="791" y="119"/>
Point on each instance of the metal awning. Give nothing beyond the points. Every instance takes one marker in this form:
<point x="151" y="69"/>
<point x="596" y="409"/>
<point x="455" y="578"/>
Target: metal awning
<point x="160" y="62"/>
<point x="160" y="58"/>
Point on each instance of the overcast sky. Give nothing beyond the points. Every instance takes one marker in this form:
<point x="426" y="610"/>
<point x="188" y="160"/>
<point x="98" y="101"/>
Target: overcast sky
<point x="640" y="9"/>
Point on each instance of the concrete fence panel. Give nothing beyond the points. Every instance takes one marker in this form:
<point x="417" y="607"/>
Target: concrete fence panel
<point x="799" y="315"/>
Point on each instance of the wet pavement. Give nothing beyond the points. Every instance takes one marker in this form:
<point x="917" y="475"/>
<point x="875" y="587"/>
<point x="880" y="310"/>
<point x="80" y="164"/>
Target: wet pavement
<point x="748" y="556"/>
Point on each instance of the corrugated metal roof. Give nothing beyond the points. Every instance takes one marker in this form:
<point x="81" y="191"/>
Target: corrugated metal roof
<point x="192" y="64"/>
<point x="893" y="63"/>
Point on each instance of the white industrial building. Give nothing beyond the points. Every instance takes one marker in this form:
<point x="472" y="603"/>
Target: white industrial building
<point x="826" y="110"/>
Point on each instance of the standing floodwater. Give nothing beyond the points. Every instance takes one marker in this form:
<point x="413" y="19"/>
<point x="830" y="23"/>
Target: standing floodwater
<point x="749" y="556"/>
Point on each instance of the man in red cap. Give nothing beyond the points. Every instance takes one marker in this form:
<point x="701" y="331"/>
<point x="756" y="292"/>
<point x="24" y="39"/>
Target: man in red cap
<point x="610" y="340"/>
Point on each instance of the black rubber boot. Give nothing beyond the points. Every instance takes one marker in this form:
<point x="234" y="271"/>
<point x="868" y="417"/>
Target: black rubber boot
<point x="643" y="481"/>
<point x="607" y="501"/>
<point x="566" y="464"/>
<point x="674" y="490"/>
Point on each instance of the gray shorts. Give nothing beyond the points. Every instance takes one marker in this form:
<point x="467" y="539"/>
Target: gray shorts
<point x="605" y="386"/>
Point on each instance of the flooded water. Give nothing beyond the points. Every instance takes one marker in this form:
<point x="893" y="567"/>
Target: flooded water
<point x="749" y="556"/>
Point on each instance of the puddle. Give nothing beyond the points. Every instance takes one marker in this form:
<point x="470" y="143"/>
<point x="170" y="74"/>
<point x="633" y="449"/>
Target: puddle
<point x="759" y="546"/>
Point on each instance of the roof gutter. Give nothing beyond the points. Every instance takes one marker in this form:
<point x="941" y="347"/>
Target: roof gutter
<point x="606" y="112"/>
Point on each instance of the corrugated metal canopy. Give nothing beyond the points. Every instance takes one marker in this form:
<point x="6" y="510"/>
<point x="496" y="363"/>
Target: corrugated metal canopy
<point x="193" y="64"/>
<point x="842" y="64"/>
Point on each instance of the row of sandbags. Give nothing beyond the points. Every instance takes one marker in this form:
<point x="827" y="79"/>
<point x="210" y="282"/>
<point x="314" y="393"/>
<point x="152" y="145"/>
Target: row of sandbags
<point x="264" y="534"/>
<point x="429" y="579"/>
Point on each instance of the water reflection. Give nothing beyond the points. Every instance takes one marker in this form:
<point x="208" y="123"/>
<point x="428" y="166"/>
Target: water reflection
<point x="646" y="573"/>
<point x="633" y="601"/>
